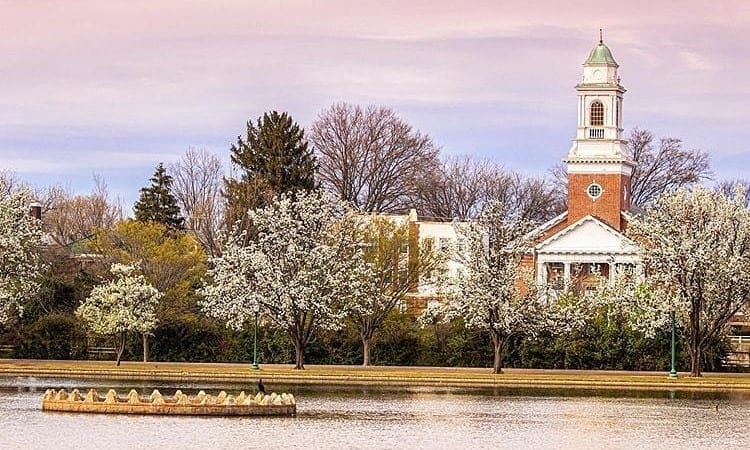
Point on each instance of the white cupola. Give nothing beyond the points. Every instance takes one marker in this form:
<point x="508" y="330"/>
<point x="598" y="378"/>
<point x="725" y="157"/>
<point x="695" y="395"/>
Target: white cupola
<point x="599" y="132"/>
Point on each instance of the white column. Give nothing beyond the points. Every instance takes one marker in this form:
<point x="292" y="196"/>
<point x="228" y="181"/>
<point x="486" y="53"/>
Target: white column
<point x="566" y="271"/>
<point x="611" y="273"/>
<point x="541" y="272"/>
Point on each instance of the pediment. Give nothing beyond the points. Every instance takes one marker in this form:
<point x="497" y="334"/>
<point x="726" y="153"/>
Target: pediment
<point x="588" y="235"/>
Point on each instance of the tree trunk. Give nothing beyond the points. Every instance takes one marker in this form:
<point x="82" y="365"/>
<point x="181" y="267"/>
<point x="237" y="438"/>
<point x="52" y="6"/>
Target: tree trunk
<point x="366" y="342"/>
<point x="696" y="355"/>
<point x="499" y="344"/>
<point x="120" y="348"/>
<point x="299" y="362"/>
<point x="145" y="347"/>
<point x="696" y="352"/>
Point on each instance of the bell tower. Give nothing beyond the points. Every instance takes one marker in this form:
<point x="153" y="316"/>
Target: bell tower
<point x="599" y="169"/>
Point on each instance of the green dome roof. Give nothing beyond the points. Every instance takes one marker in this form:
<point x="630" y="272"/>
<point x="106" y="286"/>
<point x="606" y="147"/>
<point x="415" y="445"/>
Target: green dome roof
<point x="601" y="55"/>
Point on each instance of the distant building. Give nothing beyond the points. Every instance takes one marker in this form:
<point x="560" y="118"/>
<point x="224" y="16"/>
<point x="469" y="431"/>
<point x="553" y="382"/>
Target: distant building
<point x="440" y="235"/>
<point x="587" y="240"/>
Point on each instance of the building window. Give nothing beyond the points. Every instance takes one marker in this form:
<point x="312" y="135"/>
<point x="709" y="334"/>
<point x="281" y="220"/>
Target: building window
<point x="594" y="191"/>
<point x="444" y="244"/>
<point x="597" y="114"/>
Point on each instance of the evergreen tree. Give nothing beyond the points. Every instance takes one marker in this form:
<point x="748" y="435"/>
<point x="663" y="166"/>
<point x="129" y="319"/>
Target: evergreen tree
<point x="273" y="158"/>
<point x="157" y="204"/>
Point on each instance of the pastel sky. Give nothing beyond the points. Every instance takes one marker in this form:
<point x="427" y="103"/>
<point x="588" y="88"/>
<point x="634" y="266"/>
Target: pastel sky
<point x="114" y="87"/>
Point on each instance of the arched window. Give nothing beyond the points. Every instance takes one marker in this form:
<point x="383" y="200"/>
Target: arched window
<point x="597" y="114"/>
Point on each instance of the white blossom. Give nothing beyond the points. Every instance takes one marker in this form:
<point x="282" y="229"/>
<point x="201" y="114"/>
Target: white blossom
<point x="126" y="303"/>
<point x="20" y="246"/>
<point x="695" y="252"/>
<point x="494" y="292"/>
<point x="299" y="269"/>
<point x="385" y="273"/>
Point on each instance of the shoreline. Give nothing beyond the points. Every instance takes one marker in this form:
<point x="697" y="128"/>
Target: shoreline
<point x="356" y="376"/>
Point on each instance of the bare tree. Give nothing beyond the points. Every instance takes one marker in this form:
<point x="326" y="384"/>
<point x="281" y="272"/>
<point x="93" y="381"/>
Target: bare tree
<point x="46" y="197"/>
<point x="462" y="187"/>
<point x="197" y="184"/>
<point x="531" y="198"/>
<point x="558" y="176"/>
<point x="657" y="170"/>
<point x="9" y="183"/>
<point x="71" y="218"/>
<point x="730" y="187"/>
<point x="662" y="169"/>
<point x="459" y="188"/>
<point x="370" y="156"/>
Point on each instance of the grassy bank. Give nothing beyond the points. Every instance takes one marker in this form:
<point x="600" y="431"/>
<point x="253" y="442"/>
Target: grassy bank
<point x="371" y="376"/>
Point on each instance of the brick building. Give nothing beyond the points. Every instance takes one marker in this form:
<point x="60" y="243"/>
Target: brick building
<point x="440" y="235"/>
<point x="588" y="239"/>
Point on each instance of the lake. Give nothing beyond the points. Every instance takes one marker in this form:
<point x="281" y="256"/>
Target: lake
<point x="388" y="418"/>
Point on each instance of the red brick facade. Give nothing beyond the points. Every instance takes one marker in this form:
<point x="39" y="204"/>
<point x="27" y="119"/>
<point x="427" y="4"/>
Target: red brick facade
<point x="614" y="199"/>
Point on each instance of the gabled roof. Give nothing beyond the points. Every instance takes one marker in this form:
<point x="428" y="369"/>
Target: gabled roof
<point x="541" y="229"/>
<point x="587" y="235"/>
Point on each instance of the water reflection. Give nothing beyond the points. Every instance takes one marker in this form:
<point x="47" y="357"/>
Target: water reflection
<point x="341" y="417"/>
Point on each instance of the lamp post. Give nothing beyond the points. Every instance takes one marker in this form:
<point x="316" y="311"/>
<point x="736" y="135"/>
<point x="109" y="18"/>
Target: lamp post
<point x="673" y="372"/>
<point x="255" y="365"/>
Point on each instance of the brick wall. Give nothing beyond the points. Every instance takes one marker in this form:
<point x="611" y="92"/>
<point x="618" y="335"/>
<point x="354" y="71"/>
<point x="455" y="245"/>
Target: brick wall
<point x="607" y="207"/>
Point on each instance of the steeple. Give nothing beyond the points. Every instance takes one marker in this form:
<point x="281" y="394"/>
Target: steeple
<point x="599" y="170"/>
<point x="600" y="94"/>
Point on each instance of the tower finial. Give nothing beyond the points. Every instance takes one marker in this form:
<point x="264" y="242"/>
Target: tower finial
<point x="601" y="36"/>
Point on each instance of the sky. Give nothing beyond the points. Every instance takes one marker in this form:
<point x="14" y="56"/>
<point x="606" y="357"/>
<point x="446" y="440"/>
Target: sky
<point x="112" y="88"/>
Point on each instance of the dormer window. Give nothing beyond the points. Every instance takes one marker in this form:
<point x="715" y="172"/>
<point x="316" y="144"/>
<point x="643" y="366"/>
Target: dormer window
<point x="597" y="114"/>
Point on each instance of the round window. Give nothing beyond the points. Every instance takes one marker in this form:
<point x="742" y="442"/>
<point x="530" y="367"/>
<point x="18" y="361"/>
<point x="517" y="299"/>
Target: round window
<point x="594" y="191"/>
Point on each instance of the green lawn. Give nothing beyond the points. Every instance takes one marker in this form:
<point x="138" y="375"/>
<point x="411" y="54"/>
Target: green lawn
<point x="356" y="375"/>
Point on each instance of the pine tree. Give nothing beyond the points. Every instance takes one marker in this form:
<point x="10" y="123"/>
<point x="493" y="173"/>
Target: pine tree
<point x="157" y="204"/>
<point x="273" y="158"/>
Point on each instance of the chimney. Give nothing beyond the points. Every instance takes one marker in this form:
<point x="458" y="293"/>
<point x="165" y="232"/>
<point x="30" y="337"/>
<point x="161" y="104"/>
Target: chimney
<point x="36" y="210"/>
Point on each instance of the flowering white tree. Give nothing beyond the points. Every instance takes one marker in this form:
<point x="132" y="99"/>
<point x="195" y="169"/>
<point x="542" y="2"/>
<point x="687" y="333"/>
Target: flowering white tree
<point x="695" y="251"/>
<point x="20" y="245"/>
<point x="387" y="274"/>
<point x="125" y="304"/>
<point x="300" y="269"/>
<point x="494" y="292"/>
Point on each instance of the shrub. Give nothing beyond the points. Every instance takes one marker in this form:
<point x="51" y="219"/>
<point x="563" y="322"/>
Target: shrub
<point x="53" y="336"/>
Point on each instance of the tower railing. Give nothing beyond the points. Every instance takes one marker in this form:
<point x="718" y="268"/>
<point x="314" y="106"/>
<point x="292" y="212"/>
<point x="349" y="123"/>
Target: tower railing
<point x="596" y="133"/>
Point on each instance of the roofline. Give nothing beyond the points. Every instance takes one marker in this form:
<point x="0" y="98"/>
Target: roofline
<point x="547" y="225"/>
<point x="575" y="225"/>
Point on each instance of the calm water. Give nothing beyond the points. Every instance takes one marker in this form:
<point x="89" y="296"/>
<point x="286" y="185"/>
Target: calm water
<point x="392" y="418"/>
